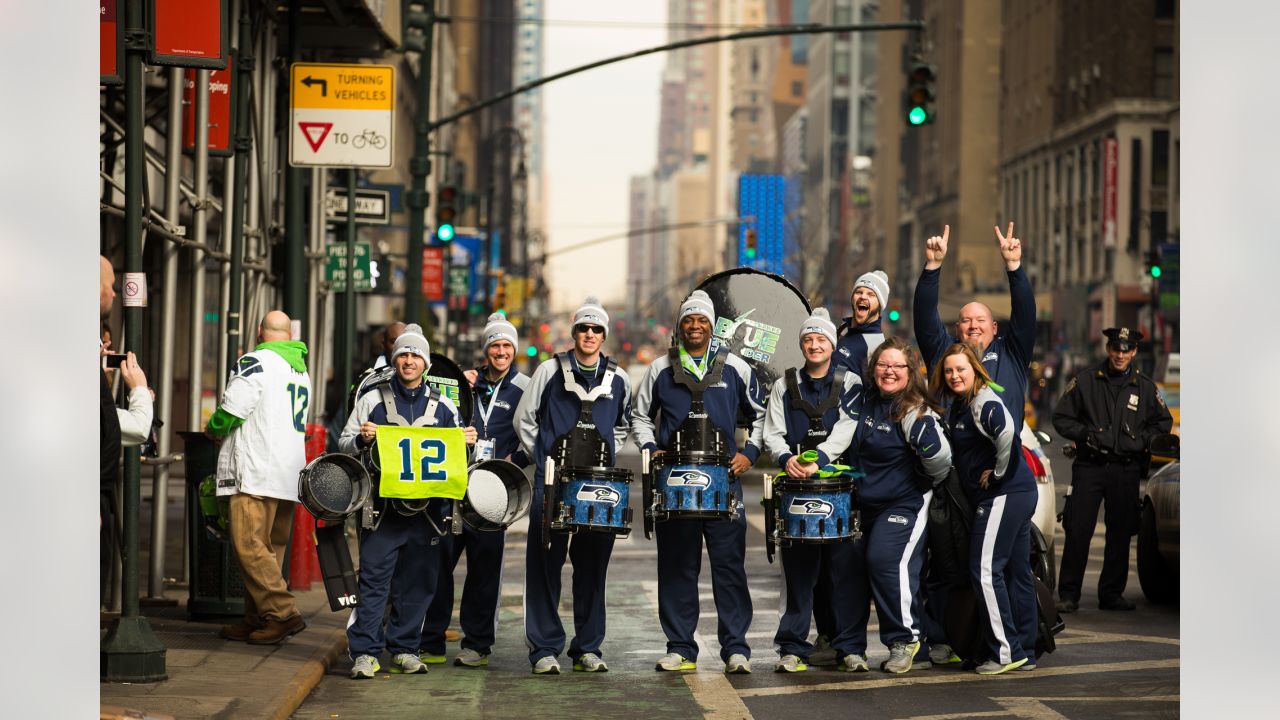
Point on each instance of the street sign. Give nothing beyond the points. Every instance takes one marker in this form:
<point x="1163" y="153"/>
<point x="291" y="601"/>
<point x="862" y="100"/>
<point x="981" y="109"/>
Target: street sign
<point x="110" y="43"/>
<point x="433" y="273"/>
<point x="335" y="271"/>
<point x="188" y="33"/>
<point x="458" y="277"/>
<point x="342" y="115"/>
<point x="220" y="111"/>
<point x="373" y="207"/>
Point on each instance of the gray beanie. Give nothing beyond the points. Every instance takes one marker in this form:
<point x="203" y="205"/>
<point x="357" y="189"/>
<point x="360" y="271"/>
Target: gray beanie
<point x="819" y="322"/>
<point x="592" y="313"/>
<point x="412" y="341"/>
<point x="878" y="281"/>
<point x="698" y="303"/>
<point x="499" y="328"/>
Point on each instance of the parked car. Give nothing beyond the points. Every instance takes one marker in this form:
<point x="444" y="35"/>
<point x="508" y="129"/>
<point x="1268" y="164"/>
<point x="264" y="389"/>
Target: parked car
<point x="1160" y="527"/>
<point x="1171" y="394"/>
<point x="1044" y="559"/>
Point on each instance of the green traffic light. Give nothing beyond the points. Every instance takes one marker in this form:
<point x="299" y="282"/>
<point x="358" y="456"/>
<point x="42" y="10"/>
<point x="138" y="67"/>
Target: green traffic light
<point x="751" y="253"/>
<point x="445" y="232"/>
<point x="1156" y="271"/>
<point x="917" y="116"/>
<point x="894" y="315"/>
<point x="531" y="351"/>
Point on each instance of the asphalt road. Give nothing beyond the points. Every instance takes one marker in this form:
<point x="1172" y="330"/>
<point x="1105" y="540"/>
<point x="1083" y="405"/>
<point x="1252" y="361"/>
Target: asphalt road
<point x="1107" y="664"/>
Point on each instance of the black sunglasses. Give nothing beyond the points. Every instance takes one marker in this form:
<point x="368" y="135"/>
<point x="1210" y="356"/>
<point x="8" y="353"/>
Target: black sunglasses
<point x="588" y="328"/>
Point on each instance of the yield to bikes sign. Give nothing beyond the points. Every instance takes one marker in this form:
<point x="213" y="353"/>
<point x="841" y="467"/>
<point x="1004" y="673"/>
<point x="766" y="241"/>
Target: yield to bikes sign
<point x="342" y="115"/>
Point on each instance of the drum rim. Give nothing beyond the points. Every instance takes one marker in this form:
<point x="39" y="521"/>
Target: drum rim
<point x="623" y="474"/>
<point x="691" y="457"/>
<point x="362" y="486"/>
<point x="784" y="483"/>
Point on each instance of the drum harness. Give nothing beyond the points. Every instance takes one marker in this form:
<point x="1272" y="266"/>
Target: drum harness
<point x="583" y="445"/>
<point x="372" y="518"/>
<point x="817" y="432"/>
<point x="697" y="432"/>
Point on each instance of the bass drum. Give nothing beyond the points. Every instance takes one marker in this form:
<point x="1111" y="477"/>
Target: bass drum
<point x="498" y="494"/>
<point x="759" y="316"/>
<point x="447" y="377"/>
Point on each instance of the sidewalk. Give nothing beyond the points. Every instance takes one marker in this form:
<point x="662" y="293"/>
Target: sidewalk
<point x="212" y="677"/>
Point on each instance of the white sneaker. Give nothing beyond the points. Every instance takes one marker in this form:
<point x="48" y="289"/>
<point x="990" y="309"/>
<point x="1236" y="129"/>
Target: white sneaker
<point x="790" y="664"/>
<point x="467" y="657"/>
<point x="590" y="662"/>
<point x="407" y="664"/>
<point x="738" y="664"/>
<point x="900" y="657"/>
<point x="673" y="662"/>
<point x="943" y="654"/>
<point x="854" y="663"/>
<point x="546" y="666"/>
<point x="991" y="667"/>
<point x="365" y="667"/>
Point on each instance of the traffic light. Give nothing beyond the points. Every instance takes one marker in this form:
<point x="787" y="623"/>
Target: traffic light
<point x="500" y="295"/>
<point x="894" y="314"/>
<point x="418" y="18"/>
<point x="1153" y="264"/>
<point x="919" y="97"/>
<point x="750" y="244"/>
<point x="531" y="351"/>
<point x="446" y="211"/>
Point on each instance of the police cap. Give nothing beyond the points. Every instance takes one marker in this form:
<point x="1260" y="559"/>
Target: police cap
<point x="1122" y="338"/>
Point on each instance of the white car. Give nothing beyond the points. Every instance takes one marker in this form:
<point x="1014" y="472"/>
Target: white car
<point x="1044" y="558"/>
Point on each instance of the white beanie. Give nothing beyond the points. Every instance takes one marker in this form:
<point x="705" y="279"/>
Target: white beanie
<point x="819" y="322"/>
<point x="698" y="303"/>
<point x="592" y="313"/>
<point x="499" y="328"/>
<point x="412" y="341"/>
<point x="878" y="281"/>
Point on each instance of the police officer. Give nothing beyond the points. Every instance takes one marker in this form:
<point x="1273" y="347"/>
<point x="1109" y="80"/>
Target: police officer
<point x="401" y="549"/>
<point x="575" y="402"/>
<point x="664" y="402"/>
<point x="498" y="389"/>
<point x="1112" y="412"/>
<point x="803" y="406"/>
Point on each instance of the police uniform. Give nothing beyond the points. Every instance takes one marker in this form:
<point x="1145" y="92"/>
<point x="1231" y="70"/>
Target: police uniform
<point x="1112" y="417"/>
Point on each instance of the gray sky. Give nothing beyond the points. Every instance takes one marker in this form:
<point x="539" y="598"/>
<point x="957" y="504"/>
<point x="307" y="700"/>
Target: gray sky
<point x="601" y="128"/>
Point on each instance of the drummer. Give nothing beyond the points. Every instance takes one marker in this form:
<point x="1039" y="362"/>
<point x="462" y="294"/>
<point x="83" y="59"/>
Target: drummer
<point x="549" y="411"/>
<point x="401" y="549"/>
<point x="663" y="403"/>
<point x="498" y="387"/>
<point x="804" y="405"/>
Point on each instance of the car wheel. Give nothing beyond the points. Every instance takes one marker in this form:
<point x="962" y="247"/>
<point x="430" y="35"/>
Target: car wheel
<point x="1044" y="560"/>
<point x="1159" y="581"/>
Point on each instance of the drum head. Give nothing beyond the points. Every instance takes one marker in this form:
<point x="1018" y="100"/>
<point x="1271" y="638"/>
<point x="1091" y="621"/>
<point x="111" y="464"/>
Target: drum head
<point x="498" y="494"/>
<point x="446" y="377"/>
<point x="333" y="486"/>
<point x="759" y="315"/>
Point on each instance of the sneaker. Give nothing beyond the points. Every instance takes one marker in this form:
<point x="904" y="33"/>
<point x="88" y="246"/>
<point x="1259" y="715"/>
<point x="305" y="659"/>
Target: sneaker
<point x="277" y="631"/>
<point x="853" y="663"/>
<point x="943" y="654"/>
<point x="991" y="667"/>
<point x="737" y="664"/>
<point x="823" y="654"/>
<point x="1028" y="665"/>
<point x="790" y="664"/>
<point x="1068" y="606"/>
<point x="900" y="657"/>
<point x="467" y="657"/>
<point x="1116" y="603"/>
<point x="431" y="659"/>
<point x="675" y="662"/>
<point x="589" y="662"/>
<point x="407" y="664"/>
<point x="547" y="665"/>
<point x="365" y="667"/>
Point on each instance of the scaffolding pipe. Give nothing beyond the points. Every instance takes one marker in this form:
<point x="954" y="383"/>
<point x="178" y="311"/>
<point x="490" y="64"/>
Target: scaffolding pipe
<point x="200" y="229"/>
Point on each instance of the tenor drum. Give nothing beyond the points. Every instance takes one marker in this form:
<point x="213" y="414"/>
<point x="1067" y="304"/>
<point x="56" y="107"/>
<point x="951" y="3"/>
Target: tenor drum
<point x="595" y="499"/>
<point x="815" y="510"/>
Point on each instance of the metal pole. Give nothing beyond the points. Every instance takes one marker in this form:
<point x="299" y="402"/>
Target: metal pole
<point x="349" y="297"/>
<point x="420" y="167"/>
<point x="168" y="304"/>
<point x="130" y="651"/>
<point x="244" y="141"/>
<point x="295" y="226"/>
<point x="200" y="226"/>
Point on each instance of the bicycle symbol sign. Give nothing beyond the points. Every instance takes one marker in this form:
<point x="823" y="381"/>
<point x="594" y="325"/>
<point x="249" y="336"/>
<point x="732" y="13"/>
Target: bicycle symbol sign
<point x="342" y="115"/>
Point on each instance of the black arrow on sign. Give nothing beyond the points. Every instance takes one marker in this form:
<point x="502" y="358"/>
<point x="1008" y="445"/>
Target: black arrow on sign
<point x="324" y="85"/>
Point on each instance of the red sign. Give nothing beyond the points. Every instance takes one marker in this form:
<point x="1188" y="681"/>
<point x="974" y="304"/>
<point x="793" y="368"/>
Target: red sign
<point x="1110" y="177"/>
<point x="315" y="133"/>
<point x="109" y="43"/>
<point x="188" y="33"/>
<point x="220" y="112"/>
<point x="433" y="273"/>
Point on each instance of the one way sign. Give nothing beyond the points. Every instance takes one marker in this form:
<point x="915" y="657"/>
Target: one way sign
<point x="342" y="115"/>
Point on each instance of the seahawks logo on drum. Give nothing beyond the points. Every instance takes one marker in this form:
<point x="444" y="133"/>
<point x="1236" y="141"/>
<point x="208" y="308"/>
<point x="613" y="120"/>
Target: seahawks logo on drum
<point x="599" y="493"/>
<point x="810" y="506"/>
<point x="689" y="478"/>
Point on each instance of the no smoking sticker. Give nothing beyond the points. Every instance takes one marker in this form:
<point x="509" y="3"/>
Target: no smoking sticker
<point x="135" y="290"/>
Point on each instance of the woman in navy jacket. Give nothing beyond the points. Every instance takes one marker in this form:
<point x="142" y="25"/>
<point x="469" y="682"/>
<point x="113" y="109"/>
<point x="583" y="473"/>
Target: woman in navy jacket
<point x="988" y="455"/>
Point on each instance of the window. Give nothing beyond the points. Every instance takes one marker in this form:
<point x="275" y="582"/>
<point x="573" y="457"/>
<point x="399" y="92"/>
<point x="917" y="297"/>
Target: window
<point x="797" y="88"/>
<point x="1163" y="81"/>
<point x="1160" y="158"/>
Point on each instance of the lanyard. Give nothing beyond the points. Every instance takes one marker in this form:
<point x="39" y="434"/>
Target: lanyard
<point x="493" y="398"/>
<point x="696" y="369"/>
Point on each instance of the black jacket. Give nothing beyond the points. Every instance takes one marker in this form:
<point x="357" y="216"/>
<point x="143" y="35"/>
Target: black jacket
<point x="1109" y="423"/>
<point x="109" y="440"/>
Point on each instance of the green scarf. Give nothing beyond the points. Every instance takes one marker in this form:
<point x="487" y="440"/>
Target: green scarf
<point x="696" y="368"/>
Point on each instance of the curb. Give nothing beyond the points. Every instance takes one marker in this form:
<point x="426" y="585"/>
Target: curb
<point x="308" y="676"/>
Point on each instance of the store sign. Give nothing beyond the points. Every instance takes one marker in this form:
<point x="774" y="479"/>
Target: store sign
<point x="220" y="110"/>
<point x="433" y="273"/>
<point x="1110" y="180"/>
<point x="110" y="43"/>
<point x="188" y="33"/>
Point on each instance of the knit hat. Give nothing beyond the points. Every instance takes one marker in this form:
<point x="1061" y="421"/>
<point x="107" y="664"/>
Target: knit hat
<point x="412" y="341"/>
<point x="499" y="328"/>
<point x="592" y="313"/>
<point x="819" y="322"/>
<point x="698" y="303"/>
<point x="878" y="281"/>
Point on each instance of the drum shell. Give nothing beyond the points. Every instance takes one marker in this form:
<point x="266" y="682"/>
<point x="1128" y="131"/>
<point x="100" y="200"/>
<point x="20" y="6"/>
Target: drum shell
<point x="705" y="496"/>
<point x="814" y="510"/>
<point x="595" y="499"/>
<point x="314" y="503"/>
<point x="519" y="497"/>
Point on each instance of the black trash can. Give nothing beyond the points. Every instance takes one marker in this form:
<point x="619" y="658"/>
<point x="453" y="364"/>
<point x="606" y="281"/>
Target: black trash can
<point x="216" y="587"/>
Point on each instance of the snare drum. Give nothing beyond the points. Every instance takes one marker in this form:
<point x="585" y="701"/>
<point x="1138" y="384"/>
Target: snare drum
<point x="593" y="498"/>
<point x="814" y="510"/>
<point x="693" y="485"/>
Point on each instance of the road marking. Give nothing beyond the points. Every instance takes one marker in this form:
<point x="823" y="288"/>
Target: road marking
<point x="1069" y="637"/>
<point x="1034" y="708"/>
<point x="938" y="679"/>
<point x="711" y="689"/>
